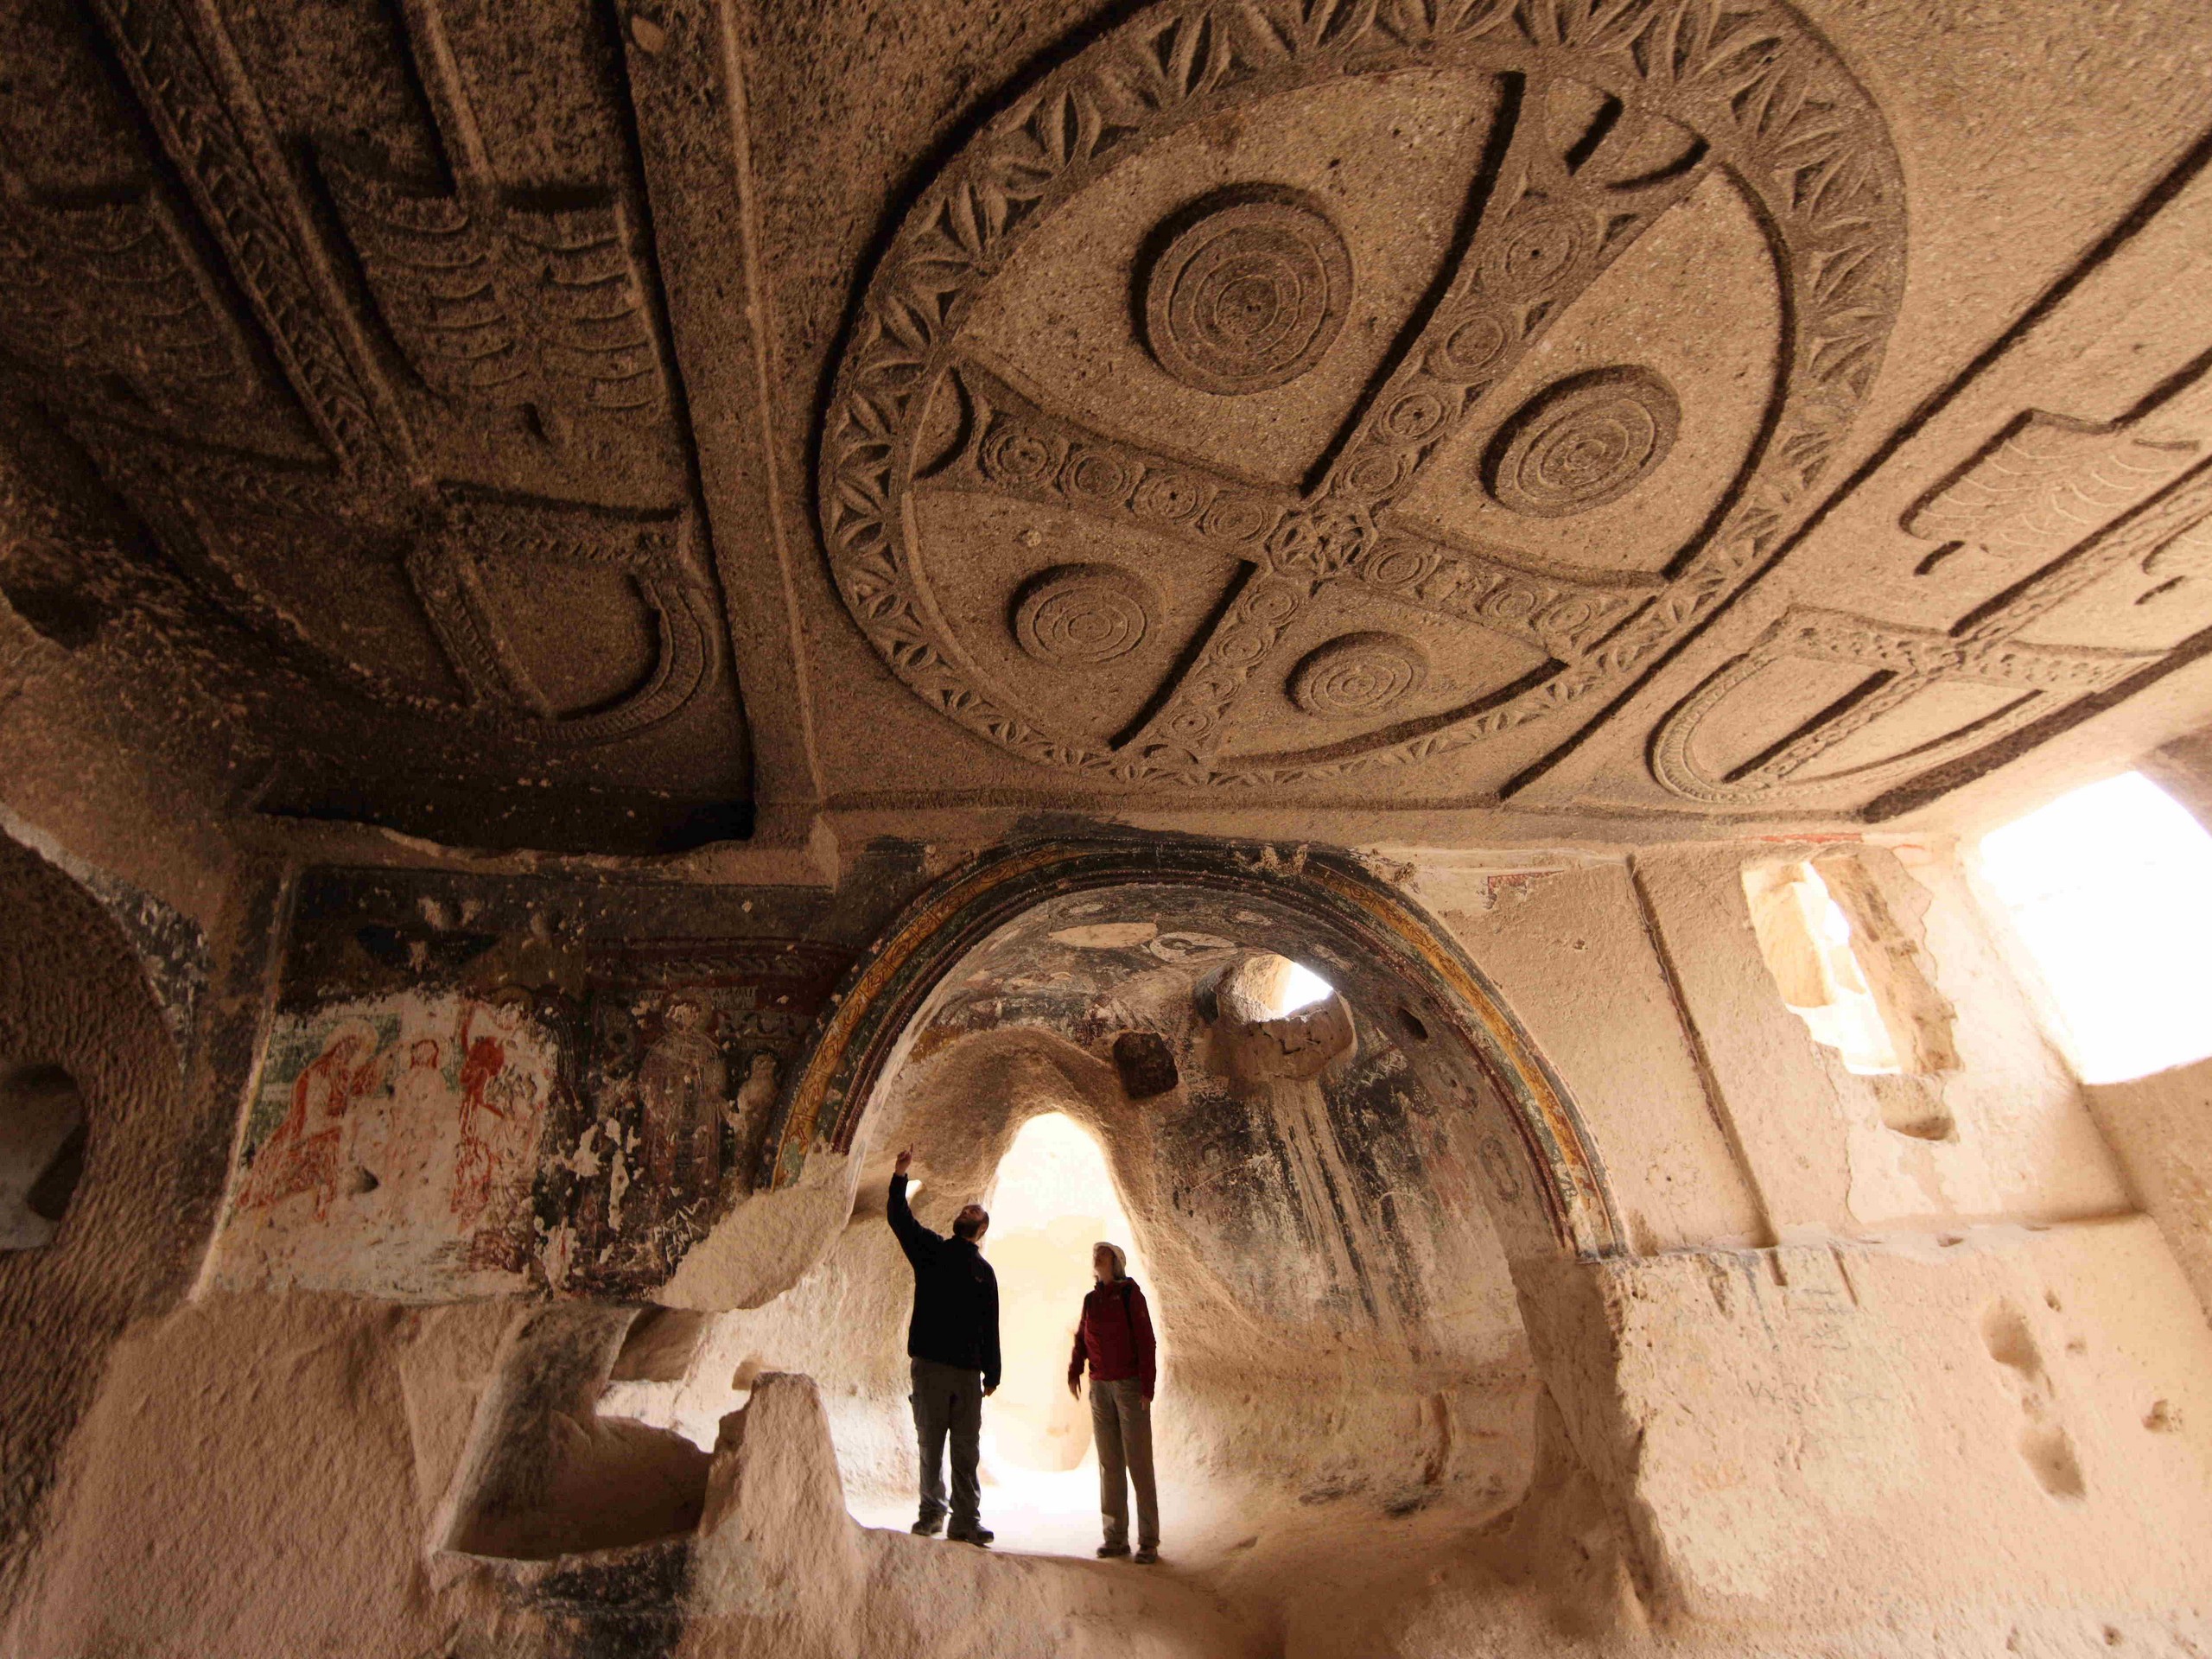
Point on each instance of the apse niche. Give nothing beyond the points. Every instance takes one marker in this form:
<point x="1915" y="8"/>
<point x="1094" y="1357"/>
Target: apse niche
<point x="1302" y="1167"/>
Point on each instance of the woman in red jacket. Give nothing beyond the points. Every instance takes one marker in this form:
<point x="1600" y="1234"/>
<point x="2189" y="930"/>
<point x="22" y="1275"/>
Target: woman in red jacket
<point x="1115" y="1339"/>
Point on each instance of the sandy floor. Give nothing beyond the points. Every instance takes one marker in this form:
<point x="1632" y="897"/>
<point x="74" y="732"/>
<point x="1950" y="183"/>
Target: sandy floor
<point x="1032" y="1513"/>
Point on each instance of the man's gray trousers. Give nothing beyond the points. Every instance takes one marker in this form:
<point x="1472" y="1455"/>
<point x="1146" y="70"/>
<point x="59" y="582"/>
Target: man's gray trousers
<point x="949" y="1400"/>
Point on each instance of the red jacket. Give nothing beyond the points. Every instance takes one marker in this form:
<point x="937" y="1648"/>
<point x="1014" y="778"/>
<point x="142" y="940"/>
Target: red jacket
<point x="1116" y="1336"/>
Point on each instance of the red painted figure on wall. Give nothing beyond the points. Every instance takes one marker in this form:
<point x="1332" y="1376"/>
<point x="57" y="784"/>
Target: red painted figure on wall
<point x="304" y="1153"/>
<point x="499" y="1110"/>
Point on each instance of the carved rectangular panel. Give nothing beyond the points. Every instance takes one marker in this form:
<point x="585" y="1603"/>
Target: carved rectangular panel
<point x="387" y="372"/>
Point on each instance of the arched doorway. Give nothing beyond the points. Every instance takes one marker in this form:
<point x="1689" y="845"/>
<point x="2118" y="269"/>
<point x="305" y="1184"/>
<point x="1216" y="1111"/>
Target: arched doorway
<point x="1330" y="1199"/>
<point x="1315" y="908"/>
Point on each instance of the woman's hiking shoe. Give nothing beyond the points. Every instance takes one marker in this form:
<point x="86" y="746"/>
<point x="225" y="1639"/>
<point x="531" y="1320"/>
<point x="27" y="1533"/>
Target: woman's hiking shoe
<point x="1146" y="1556"/>
<point x="1107" y="1552"/>
<point x="979" y="1536"/>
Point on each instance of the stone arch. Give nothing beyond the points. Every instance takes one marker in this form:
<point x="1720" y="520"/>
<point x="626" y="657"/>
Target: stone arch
<point x="1322" y="902"/>
<point x="76" y="1002"/>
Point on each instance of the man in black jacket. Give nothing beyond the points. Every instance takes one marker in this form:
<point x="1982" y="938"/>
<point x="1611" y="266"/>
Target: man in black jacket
<point x="953" y="1342"/>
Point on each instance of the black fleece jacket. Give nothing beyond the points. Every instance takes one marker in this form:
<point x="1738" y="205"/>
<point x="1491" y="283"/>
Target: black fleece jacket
<point x="956" y="1294"/>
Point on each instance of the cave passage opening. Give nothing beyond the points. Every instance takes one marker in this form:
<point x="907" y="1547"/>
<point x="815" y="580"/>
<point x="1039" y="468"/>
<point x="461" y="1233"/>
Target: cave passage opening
<point x="1300" y="1118"/>
<point x="1052" y="1200"/>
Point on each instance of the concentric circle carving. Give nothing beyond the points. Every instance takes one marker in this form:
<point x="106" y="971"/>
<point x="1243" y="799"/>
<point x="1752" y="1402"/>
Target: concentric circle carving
<point x="1359" y="675"/>
<point x="1471" y="348"/>
<point x="1582" y="443"/>
<point x="1081" y="616"/>
<point x="1247" y="292"/>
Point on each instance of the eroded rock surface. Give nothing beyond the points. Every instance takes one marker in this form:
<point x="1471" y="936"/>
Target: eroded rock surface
<point x="609" y="614"/>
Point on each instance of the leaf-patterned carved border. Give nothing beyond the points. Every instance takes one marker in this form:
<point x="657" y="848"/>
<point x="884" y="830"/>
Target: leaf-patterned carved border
<point x="1783" y="115"/>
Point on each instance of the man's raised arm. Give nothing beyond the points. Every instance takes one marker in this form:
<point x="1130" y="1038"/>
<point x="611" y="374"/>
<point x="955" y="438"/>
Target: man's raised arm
<point x="913" y="1238"/>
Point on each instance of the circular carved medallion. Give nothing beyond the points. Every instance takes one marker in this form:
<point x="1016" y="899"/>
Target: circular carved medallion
<point x="1582" y="443"/>
<point x="1360" y="673"/>
<point x="967" y="384"/>
<point x="1248" y="291"/>
<point x="1081" y="616"/>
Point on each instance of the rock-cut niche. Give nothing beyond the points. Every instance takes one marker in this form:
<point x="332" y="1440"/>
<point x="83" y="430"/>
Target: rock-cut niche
<point x="43" y="1139"/>
<point x="1318" y="1187"/>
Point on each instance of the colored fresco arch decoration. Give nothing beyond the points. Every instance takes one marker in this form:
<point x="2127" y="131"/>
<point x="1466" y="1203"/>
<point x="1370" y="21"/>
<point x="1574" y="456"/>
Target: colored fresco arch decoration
<point x="877" y="1004"/>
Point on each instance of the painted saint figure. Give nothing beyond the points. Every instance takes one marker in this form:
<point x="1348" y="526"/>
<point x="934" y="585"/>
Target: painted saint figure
<point x="411" y="1161"/>
<point x="303" y="1153"/>
<point x="756" y="1103"/>
<point x="683" y="1086"/>
<point x="498" y="1110"/>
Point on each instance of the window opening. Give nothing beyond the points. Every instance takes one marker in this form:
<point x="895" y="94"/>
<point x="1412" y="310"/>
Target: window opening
<point x="2109" y="889"/>
<point x="1807" y="940"/>
<point x="1267" y="986"/>
<point x="43" y="1139"/>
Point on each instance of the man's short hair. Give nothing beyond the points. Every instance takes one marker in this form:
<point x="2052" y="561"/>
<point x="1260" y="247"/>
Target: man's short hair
<point x="967" y="1226"/>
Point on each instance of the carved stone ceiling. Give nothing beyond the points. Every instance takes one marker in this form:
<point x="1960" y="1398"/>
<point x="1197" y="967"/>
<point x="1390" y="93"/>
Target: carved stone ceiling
<point x="1608" y="406"/>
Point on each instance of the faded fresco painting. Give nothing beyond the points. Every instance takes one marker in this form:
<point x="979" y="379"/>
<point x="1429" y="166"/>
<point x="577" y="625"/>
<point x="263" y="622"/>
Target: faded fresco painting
<point x="396" y="1140"/>
<point x="1376" y="1182"/>
<point x="686" y="1050"/>
<point x="571" y="1137"/>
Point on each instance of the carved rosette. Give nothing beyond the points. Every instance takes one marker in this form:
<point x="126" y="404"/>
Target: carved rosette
<point x="1238" y="293"/>
<point x="1248" y="292"/>
<point x="1359" y="675"/>
<point x="1582" y="443"/>
<point x="1080" y="615"/>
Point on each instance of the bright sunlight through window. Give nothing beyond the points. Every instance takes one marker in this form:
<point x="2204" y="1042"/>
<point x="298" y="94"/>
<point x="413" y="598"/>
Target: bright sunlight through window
<point x="1299" y="987"/>
<point x="2110" y="888"/>
<point x="1806" y="939"/>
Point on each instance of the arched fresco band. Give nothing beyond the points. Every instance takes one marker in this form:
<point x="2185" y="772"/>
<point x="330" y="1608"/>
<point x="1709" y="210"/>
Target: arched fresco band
<point x="880" y="999"/>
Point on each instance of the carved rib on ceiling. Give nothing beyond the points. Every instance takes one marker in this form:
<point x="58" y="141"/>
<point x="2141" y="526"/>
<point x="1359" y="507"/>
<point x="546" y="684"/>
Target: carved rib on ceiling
<point x="1016" y="448"/>
<point x="2076" y="556"/>
<point x="2065" y="510"/>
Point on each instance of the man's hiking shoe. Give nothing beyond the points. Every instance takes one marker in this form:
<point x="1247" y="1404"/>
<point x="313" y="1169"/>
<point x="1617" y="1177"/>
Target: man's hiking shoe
<point x="1107" y="1552"/>
<point x="929" y="1526"/>
<point x="980" y="1536"/>
<point x="1146" y="1556"/>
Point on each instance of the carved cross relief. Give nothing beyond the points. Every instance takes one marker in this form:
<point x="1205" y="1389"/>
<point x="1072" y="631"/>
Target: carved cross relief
<point x="492" y="301"/>
<point x="1339" y="615"/>
<point x="1247" y="294"/>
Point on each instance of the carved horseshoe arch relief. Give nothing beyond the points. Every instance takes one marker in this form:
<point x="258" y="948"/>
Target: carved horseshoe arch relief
<point x="1314" y="641"/>
<point x="452" y="540"/>
<point x="1566" y="1202"/>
